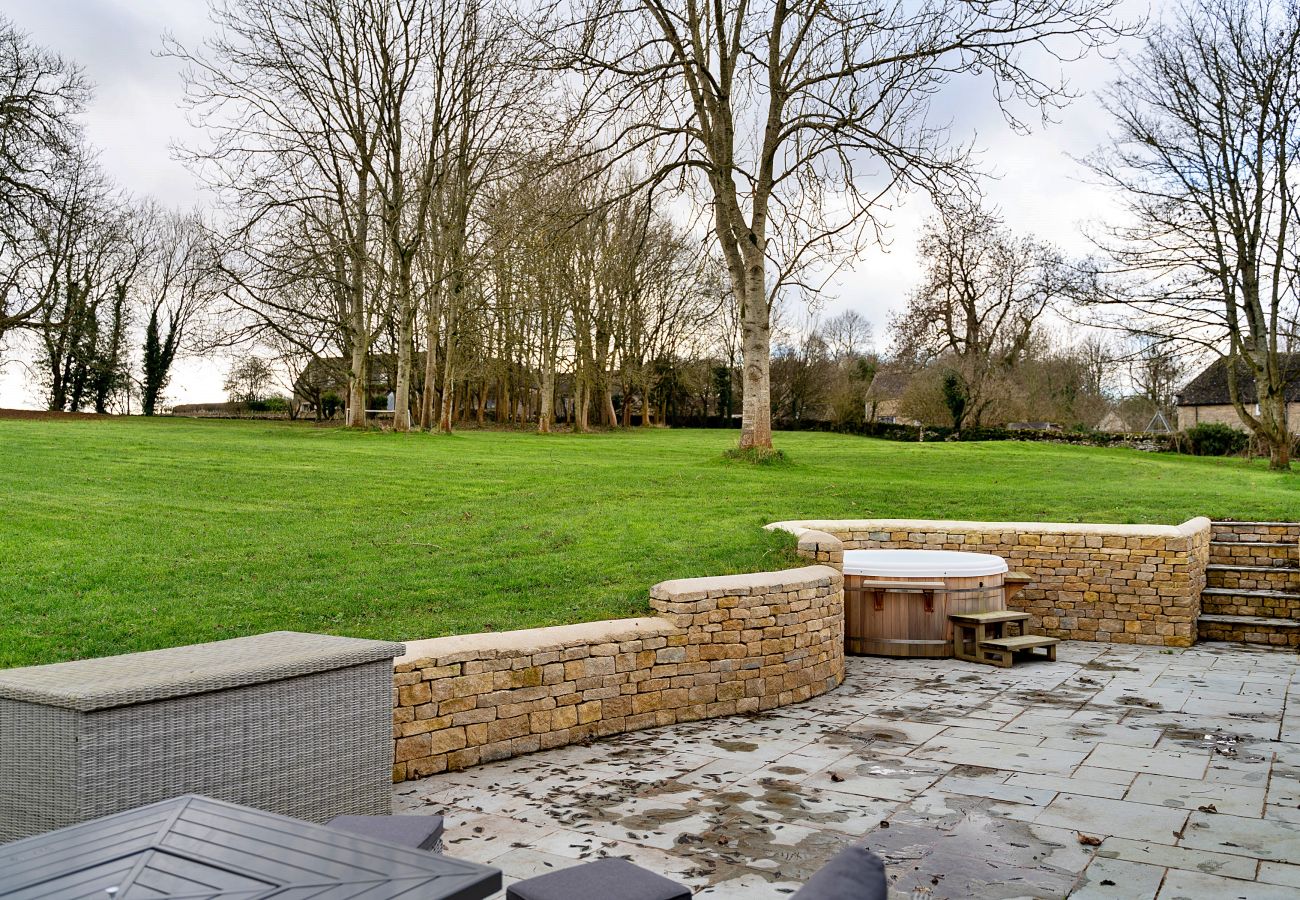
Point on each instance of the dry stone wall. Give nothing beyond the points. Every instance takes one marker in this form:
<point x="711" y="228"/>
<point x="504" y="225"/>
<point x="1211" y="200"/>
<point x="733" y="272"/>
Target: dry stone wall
<point x="718" y="646"/>
<point x="1126" y="584"/>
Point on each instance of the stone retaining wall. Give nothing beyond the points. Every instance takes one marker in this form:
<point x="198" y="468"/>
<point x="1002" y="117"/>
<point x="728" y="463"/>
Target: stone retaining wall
<point x="718" y="646"/>
<point x="1134" y="584"/>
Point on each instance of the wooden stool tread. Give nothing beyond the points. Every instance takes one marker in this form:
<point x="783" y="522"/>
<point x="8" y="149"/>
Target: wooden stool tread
<point x="990" y="616"/>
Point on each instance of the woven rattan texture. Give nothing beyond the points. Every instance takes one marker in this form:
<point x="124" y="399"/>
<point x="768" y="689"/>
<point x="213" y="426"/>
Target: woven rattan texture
<point x="311" y="747"/>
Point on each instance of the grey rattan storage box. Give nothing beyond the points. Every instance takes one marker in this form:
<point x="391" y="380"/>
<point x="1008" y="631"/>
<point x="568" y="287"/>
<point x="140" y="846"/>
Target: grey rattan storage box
<point x="297" y="724"/>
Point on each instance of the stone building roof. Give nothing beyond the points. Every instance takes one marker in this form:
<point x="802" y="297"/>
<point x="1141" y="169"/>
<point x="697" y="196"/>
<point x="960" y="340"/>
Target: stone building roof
<point x="1210" y="388"/>
<point x="889" y="385"/>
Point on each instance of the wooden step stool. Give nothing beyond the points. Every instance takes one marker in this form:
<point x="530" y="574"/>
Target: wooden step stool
<point x="979" y="637"/>
<point x="1002" y="652"/>
<point x="970" y="630"/>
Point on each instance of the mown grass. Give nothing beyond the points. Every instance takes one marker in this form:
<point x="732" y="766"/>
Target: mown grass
<point x="127" y="535"/>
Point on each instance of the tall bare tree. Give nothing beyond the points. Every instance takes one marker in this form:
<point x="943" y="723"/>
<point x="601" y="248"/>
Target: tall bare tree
<point x="287" y="91"/>
<point x="772" y="108"/>
<point x="176" y="288"/>
<point x="41" y="95"/>
<point x="982" y="294"/>
<point x="1208" y="116"/>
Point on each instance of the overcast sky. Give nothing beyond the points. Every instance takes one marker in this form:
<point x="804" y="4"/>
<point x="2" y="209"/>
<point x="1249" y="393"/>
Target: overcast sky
<point x="135" y="119"/>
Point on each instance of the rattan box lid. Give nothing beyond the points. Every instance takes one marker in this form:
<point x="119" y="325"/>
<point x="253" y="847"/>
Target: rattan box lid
<point x="110" y="681"/>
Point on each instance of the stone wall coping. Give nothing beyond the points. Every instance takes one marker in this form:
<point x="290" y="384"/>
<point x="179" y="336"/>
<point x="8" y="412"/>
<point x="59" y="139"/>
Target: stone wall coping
<point x="799" y="527"/>
<point x="785" y="579"/>
<point x="538" y="639"/>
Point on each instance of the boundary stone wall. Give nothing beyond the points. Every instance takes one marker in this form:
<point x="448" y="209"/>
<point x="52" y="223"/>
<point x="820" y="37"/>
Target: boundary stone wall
<point x="718" y="646"/>
<point x="1126" y="584"/>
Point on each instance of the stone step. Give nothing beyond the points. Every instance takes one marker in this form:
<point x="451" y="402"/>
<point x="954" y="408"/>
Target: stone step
<point x="1227" y="530"/>
<point x="1254" y="578"/>
<point x="1235" y="602"/>
<point x="1249" y="630"/>
<point x="1254" y="553"/>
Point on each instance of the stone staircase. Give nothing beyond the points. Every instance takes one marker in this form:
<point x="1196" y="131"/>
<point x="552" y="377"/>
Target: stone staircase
<point x="1252" y="592"/>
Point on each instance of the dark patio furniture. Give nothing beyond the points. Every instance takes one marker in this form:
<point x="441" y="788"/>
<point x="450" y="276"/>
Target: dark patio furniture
<point x="604" y="879"/>
<point x="420" y="832"/>
<point x="196" y="847"/>
<point x="854" y="873"/>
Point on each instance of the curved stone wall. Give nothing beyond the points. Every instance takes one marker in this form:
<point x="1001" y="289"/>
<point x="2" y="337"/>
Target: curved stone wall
<point x="718" y="646"/>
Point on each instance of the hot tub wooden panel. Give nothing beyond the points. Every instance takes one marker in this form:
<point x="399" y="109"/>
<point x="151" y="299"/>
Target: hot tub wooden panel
<point x="906" y="624"/>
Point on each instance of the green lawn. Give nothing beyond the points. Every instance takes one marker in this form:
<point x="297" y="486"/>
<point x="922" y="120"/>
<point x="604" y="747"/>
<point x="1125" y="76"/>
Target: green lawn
<point x="128" y="535"/>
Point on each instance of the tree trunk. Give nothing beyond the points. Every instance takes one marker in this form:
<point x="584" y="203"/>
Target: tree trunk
<point x="582" y="409"/>
<point x="1272" y="410"/>
<point x="607" y="414"/>
<point x="546" y="415"/>
<point x="405" y="337"/>
<point x="430" y="392"/>
<point x="448" y="392"/>
<point x="358" y="383"/>
<point x="756" y="328"/>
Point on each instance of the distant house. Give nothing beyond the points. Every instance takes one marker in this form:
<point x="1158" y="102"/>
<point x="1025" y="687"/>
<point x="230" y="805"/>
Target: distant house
<point x="327" y="376"/>
<point x="885" y="395"/>
<point x="1205" y="399"/>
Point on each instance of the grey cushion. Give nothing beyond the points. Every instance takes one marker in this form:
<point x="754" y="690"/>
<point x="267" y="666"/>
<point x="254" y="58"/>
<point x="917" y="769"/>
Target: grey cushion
<point x="604" y="879"/>
<point x="420" y="832"/>
<point x="854" y="873"/>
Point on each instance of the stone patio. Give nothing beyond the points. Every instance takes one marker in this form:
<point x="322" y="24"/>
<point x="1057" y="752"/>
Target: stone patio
<point x="1115" y="772"/>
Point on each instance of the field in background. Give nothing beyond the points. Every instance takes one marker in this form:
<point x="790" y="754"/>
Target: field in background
<point x="123" y="535"/>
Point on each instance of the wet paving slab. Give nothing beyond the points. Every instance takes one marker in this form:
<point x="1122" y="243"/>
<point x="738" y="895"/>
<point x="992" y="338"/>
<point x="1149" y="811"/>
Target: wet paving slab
<point x="1116" y="771"/>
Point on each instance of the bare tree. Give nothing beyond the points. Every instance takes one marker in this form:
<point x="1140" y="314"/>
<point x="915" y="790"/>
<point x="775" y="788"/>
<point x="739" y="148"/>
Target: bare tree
<point x="87" y="253"/>
<point x="847" y="335"/>
<point x="772" y="108"/>
<point x="1208" y="117"/>
<point x="249" y="379"/>
<point x="176" y="289"/>
<point x="983" y="292"/>
<point x="41" y="95"/>
<point x="288" y="92"/>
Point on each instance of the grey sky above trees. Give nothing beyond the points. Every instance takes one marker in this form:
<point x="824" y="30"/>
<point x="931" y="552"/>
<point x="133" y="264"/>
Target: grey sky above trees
<point x="135" y="117"/>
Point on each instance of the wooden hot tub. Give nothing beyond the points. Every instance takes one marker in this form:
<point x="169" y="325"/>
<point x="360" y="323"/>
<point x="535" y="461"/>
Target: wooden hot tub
<point x="897" y="602"/>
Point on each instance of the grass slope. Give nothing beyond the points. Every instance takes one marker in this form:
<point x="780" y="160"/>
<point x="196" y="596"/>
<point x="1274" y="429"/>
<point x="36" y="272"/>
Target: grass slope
<point x="129" y="535"/>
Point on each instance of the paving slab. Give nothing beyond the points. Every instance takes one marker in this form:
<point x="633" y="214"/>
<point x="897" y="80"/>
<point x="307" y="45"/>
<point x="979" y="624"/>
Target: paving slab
<point x="1177" y="857"/>
<point x="1183" y="885"/>
<point x="1099" y="817"/>
<point x="970" y="781"/>
<point x="1195" y="793"/>
<point x="1154" y="761"/>
<point x="1280" y="873"/>
<point x="1118" y="878"/>
<point x="1259" y="838"/>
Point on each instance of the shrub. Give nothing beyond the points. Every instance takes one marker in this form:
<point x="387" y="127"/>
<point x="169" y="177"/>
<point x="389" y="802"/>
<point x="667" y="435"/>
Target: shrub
<point x="1215" y="439"/>
<point x="330" y="404"/>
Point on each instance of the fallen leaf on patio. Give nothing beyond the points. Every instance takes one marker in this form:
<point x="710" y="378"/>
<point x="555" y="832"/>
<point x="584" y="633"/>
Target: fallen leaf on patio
<point x="1107" y="882"/>
<point x="836" y="777"/>
<point x="1088" y="840"/>
<point x="1207" y="808"/>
